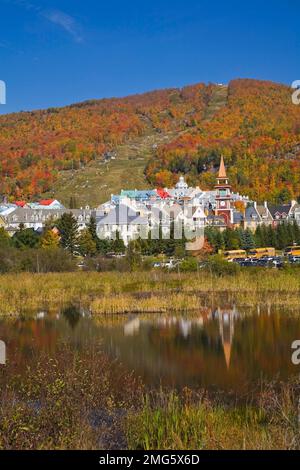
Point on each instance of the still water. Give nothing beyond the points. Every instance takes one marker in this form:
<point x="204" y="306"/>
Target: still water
<point x="219" y="348"/>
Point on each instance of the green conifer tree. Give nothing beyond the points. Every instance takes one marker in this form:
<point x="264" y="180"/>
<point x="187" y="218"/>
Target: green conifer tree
<point x="68" y="230"/>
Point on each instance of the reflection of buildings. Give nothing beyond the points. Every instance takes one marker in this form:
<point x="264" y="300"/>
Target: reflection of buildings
<point x="225" y="317"/>
<point x="226" y="320"/>
<point x="132" y="327"/>
<point x="2" y="353"/>
<point x="216" y="349"/>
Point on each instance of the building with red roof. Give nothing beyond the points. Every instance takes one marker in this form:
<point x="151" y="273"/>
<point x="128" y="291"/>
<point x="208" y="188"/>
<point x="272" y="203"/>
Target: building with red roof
<point x="163" y="194"/>
<point x="20" y="203"/>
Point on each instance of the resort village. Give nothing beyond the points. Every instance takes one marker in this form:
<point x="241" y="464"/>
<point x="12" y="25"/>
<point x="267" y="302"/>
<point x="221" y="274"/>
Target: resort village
<point x="140" y="214"/>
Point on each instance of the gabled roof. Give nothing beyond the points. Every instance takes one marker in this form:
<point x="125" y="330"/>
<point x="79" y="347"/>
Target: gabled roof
<point x="251" y="214"/>
<point x="163" y="194"/>
<point x="47" y="202"/>
<point x="6" y="210"/>
<point x="264" y="213"/>
<point x="198" y="212"/>
<point x="138" y="194"/>
<point x="20" y="203"/>
<point x="279" y="211"/>
<point x="122" y="215"/>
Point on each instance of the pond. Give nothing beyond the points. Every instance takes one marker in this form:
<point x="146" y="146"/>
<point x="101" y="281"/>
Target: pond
<point x="225" y="348"/>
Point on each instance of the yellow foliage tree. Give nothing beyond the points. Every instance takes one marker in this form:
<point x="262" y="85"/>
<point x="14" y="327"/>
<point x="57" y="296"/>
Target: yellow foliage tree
<point x="50" y="239"/>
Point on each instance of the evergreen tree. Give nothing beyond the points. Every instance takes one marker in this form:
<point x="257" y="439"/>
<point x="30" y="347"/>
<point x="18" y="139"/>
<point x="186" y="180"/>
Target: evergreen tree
<point x="117" y="245"/>
<point x="26" y="238"/>
<point x="86" y="244"/>
<point x="271" y="240"/>
<point x="258" y="237"/>
<point x="215" y="238"/>
<point x="231" y="239"/>
<point x="73" y="202"/>
<point x="209" y="235"/>
<point x="290" y="234"/>
<point x="92" y="228"/>
<point x="296" y="233"/>
<point x="247" y="240"/>
<point x="5" y="239"/>
<point x="102" y="246"/>
<point x="282" y="237"/>
<point x="68" y="230"/>
<point x="133" y="255"/>
<point x="174" y="246"/>
<point x="264" y="236"/>
<point x="146" y="248"/>
<point x="219" y="242"/>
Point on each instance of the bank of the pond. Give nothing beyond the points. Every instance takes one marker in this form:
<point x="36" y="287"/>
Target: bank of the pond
<point x="144" y="292"/>
<point x="191" y="420"/>
<point x="86" y="401"/>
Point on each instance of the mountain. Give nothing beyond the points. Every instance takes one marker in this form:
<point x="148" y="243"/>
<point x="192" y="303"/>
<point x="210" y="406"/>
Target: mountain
<point x="89" y="150"/>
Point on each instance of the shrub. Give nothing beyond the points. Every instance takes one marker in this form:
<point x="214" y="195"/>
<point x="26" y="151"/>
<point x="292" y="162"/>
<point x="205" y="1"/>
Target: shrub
<point x="219" y="266"/>
<point x="189" y="265"/>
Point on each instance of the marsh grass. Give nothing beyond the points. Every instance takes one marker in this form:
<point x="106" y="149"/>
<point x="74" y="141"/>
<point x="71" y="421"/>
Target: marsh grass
<point x="172" y="421"/>
<point x="145" y="292"/>
<point x="86" y="401"/>
<point x="68" y="401"/>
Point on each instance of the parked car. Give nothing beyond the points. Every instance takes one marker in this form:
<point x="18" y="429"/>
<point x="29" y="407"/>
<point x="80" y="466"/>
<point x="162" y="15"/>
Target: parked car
<point x="156" y="265"/>
<point x="248" y="263"/>
<point x="238" y="260"/>
<point x="277" y="262"/>
<point x="294" y="259"/>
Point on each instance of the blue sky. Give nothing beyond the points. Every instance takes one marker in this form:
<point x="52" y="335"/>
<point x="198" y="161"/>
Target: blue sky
<point x="59" y="52"/>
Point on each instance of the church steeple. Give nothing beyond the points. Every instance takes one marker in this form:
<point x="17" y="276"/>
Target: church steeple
<point x="223" y="197"/>
<point x="222" y="170"/>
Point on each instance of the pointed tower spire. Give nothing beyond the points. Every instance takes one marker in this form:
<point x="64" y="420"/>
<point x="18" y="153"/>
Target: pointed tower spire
<point x="227" y="353"/>
<point x="222" y="170"/>
<point x="223" y="196"/>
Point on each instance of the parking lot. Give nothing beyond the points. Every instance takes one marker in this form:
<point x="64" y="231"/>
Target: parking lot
<point x="267" y="261"/>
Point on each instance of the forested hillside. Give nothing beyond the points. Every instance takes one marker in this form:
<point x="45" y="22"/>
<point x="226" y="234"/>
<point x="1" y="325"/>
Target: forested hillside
<point x="258" y="132"/>
<point x="154" y="137"/>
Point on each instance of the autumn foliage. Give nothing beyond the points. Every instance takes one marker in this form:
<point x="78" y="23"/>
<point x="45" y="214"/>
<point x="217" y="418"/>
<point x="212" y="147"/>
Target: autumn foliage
<point x="36" y="146"/>
<point x="257" y="130"/>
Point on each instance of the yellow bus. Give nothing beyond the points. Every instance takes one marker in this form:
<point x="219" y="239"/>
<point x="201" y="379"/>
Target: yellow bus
<point x="258" y="253"/>
<point x="235" y="254"/>
<point x="292" y="251"/>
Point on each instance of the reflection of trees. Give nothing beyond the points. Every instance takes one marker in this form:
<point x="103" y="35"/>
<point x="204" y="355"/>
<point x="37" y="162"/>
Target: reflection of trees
<point x="199" y="358"/>
<point x="218" y="348"/>
<point x="251" y="348"/>
<point x="24" y="337"/>
<point x="263" y="344"/>
<point x="72" y="315"/>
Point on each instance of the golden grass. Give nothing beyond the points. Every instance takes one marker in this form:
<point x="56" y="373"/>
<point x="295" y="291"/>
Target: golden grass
<point x="145" y="292"/>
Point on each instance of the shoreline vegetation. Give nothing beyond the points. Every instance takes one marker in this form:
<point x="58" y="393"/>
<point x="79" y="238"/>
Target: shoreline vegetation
<point x="147" y="292"/>
<point x="86" y="401"/>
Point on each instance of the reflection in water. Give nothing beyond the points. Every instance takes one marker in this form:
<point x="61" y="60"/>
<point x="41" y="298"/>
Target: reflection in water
<point x="219" y="348"/>
<point x="226" y="319"/>
<point x="72" y="315"/>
